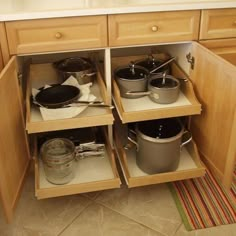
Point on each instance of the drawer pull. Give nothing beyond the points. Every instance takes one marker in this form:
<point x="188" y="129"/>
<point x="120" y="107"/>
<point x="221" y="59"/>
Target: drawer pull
<point x="154" y="28"/>
<point x="58" y="35"/>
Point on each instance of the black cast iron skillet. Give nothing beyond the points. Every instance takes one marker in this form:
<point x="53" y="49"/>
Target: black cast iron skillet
<point x="57" y="96"/>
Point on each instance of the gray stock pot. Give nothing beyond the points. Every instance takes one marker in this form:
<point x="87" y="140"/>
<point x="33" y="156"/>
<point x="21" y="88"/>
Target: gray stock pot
<point x="158" y="144"/>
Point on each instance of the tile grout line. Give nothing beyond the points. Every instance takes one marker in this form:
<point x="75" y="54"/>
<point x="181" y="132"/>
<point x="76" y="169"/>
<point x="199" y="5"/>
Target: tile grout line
<point x="67" y="226"/>
<point x="140" y="223"/>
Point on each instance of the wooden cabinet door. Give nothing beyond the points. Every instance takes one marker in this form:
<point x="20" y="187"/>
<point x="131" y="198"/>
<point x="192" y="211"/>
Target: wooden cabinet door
<point x="1" y="60"/>
<point x="14" y="153"/>
<point x="215" y="129"/>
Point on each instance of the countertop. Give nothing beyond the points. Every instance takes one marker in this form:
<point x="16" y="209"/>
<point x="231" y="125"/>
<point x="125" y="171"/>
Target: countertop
<point x="30" y="9"/>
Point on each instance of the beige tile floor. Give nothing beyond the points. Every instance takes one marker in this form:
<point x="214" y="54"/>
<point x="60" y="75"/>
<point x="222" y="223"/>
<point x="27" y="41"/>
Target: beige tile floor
<point x="143" y="211"/>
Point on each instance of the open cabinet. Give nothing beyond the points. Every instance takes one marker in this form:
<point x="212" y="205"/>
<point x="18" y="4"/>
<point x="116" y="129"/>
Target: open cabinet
<point x="21" y="116"/>
<point x="207" y="80"/>
<point x="214" y="85"/>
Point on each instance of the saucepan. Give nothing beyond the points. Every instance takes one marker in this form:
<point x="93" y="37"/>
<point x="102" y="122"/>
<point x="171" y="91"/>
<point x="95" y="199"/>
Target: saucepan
<point x="162" y="88"/>
<point x="80" y="67"/>
<point x="58" y="96"/>
<point x="134" y="78"/>
<point x="152" y="64"/>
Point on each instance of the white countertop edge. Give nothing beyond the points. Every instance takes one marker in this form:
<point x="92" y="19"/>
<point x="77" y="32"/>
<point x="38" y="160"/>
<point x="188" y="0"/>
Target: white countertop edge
<point x="120" y="10"/>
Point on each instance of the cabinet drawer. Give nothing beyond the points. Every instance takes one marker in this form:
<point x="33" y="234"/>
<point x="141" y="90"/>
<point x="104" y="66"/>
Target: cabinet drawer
<point x="190" y="166"/>
<point x="56" y="34"/>
<point x="218" y="24"/>
<point x="131" y="29"/>
<point x="91" y="174"/>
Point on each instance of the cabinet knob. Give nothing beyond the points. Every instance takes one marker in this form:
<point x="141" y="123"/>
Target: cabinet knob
<point x="154" y="28"/>
<point x="234" y="23"/>
<point x="58" y="35"/>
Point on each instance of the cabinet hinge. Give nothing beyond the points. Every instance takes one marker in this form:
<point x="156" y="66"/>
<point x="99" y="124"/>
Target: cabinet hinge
<point x="19" y="76"/>
<point x="191" y="60"/>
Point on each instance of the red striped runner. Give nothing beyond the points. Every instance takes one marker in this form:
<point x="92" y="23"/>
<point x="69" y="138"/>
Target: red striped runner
<point x="203" y="203"/>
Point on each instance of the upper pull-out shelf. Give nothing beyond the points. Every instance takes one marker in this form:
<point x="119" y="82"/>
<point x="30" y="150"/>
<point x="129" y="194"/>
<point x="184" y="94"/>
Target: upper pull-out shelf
<point x="41" y="74"/>
<point x="138" y="109"/>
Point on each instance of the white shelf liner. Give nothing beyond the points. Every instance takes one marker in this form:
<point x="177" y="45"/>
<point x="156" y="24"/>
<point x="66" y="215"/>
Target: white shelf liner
<point x="144" y="103"/>
<point x="186" y="162"/>
<point x="86" y="170"/>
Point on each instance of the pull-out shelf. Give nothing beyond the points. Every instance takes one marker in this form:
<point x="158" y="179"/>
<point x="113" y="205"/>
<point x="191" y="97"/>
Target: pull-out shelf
<point x="41" y="74"/>
<point x="190" y="166"/>
<point x="139" y="109"/>
<point x="91" y="174"/>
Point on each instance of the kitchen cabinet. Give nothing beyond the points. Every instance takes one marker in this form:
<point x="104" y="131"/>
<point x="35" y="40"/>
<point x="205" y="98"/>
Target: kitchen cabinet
<point x="143" y="28"/>
<point x="4" y="52"/>
<point x="14" y="152"/>
<point x="58" y="34"/>
<point x="222" y="165"/>
<point x="218" y="23"/>
<point x="1" y="60"/>
<point x="108" y="40"/>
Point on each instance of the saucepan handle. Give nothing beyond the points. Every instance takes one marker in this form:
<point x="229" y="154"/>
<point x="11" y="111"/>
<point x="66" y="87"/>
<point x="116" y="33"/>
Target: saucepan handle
<point x="188" y="140"/>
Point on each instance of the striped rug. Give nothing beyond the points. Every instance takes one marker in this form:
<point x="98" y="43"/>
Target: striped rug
<point x="203" y="203"/>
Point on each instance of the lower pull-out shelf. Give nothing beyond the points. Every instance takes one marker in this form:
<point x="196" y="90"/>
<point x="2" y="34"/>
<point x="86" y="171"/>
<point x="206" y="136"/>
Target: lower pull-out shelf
<point x="91" y="174"/>
<point x="190" y="166"/>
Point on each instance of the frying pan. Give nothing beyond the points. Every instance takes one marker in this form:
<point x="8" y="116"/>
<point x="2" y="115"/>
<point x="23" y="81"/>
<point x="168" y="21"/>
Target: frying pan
<point x="57" y="96"/>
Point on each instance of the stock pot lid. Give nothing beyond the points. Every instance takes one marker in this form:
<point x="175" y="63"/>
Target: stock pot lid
<point x="161" y="128"/>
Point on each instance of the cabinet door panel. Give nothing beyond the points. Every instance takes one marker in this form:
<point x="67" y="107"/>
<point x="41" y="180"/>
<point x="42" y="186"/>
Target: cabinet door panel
<point x="143" y="28"/>
<point x="214" y="131"/>
<point x="30" y="36"/>
<point x="218" y="23"/>
<point x="14" y="154"/>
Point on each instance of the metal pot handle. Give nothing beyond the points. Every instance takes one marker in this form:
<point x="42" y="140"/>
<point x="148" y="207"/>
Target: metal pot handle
<point x="89" y="74"/>
<point x="188" y="140"/>
<point x="132" y="140"/>
<point x="135" y="93"/>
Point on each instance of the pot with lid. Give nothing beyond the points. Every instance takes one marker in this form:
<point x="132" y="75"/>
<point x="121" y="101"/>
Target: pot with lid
<point x="80" y="67"/>
<point x="58" y="156"/>
<point x="158" y="144"/>
<point x="131" y="78"/>
<point x="151" y="63"/>
<point x="162" y="89"/>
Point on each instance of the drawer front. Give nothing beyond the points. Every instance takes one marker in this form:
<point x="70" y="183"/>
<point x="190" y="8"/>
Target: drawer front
<point x="218" y="24"/>
<point x="57" y="34"/>
<point x="130" y="29"/>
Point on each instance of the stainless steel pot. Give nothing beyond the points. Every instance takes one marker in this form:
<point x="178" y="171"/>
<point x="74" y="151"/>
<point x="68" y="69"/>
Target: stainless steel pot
<point x="131" y="78"/>
<point x="154" y="65"/>
<point x="158" y="144"/>
<point x="162" y="89"/>
<point x="79" y="67"/>
<point x="58" y="157"/>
